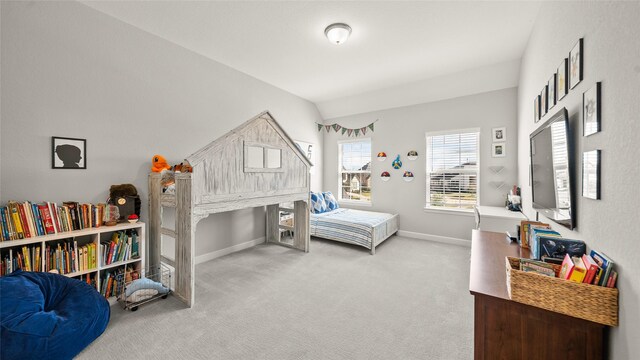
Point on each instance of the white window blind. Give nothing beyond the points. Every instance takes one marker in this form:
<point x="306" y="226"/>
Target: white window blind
<point x="355" y="170"/>
<point x="452" y="169"/>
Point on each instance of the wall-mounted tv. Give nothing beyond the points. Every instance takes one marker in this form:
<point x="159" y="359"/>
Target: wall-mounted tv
<point x="552" y="166"/>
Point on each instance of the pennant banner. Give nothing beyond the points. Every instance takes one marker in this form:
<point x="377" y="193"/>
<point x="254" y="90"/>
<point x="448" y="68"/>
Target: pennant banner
<point x="337" y="127"/>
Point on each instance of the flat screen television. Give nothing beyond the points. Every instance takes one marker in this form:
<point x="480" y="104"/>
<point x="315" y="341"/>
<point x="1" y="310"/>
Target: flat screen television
<point x="552" y="186"/>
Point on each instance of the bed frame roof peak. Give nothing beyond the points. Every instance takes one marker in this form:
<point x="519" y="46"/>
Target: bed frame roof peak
<point x="201" y="154"/>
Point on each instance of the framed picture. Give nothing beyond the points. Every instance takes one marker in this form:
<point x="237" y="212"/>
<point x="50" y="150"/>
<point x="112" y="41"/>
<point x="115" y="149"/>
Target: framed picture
<point x="68" y="153"/>
<point x="536" y="109"/>
<point x="543" y="101"/>
<point x="575" y="65"/>
<point x="499" y="134"/>
<point x="562" y="86"/>
<point x="309" y="150"/>
<point x="591" y="174"/>
<point x="551" y="86"/>
<point x="591" y="110"/>
<point x="498" y="149"/>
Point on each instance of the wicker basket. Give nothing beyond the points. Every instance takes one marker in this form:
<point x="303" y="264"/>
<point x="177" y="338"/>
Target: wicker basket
<point x="590" y="302"/>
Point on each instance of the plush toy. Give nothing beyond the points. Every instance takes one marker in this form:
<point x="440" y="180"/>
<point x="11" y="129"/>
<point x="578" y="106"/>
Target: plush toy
<point x="122" y="190"/>
<point x="159" y="163"/>
<point x="183" y="167"/>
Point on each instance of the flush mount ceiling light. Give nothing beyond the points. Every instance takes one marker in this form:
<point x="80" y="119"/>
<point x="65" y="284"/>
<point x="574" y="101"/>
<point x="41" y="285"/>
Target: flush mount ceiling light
<point x="337" y="33"/>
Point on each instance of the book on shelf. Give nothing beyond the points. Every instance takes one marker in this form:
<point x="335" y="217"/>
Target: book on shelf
<point x="567" y="268"/>
<point x="525" y="226"/>
<point x="579" y="270"/>
<point x="539" y="267"/>
<point x="27" y="220"/>
<point x="592" y="268"/>
<point x="612" y="279"/>
<point x="535" y="234"/>
<point x="605" y="263"/>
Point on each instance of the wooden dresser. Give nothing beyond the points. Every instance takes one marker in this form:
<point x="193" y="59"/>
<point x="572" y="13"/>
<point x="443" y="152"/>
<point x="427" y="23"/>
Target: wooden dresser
<point x="504" y="329"/>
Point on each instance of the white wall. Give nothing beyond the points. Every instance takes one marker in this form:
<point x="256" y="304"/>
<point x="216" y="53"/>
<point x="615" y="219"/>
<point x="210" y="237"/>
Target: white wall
<point x="403" y="129"/>
<point x="612" y="56"/>
<point x="69" y="70"/>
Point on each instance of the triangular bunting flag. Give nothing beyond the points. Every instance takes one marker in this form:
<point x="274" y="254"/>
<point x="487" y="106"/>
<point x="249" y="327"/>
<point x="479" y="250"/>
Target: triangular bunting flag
<point x="364" y="130"/>
<point x="328" y="127"/>
<point x="344" y="130"/>
<point x="336" y="127"/>
<point x="357" y="131"/>
<point x="371" y="126"/>
<point x="319" y="127"/>
<point x="349" y="131"/>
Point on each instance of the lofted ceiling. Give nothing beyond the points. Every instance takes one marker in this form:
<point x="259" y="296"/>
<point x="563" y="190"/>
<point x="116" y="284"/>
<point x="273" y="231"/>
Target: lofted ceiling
<point x="393" y="42"/>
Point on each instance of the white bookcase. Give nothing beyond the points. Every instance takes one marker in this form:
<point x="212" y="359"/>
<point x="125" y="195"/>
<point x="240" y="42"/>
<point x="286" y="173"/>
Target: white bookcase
<point x="86" y="236"/>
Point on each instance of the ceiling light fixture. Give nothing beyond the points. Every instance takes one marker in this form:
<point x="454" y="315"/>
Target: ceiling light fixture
<point x="337" y="33"/>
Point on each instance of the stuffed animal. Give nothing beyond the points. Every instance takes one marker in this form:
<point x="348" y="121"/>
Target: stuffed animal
<point x="122" y="190"/>
<point x="159" y="163"/>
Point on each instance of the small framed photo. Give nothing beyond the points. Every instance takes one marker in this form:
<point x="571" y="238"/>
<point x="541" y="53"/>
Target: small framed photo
<point x="562" y="85"/>
<point x="536" y="109"/>
<point x="591" y="174"/>
<point x="551" y="85"/>
<point x="575" y="65"/>
<point x="498" y="149"/>
<point x="543" y="102"/>
<point x="499" y="134"/>
<point x="591" y="110"/>
<point x="68" y="153"/>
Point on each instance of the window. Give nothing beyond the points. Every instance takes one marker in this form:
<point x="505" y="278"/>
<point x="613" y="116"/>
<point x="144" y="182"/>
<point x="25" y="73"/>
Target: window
<point x="262" y="158"/>
<point x="452" y="169"/>
<point x="354" y="159"/>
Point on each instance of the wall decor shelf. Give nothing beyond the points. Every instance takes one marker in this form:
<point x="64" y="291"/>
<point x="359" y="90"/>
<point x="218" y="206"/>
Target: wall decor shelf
<point x="497" y="184"/>
<point x="496" y="169"/>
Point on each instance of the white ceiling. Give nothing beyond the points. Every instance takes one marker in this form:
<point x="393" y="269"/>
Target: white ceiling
<point x="393" y="43"/>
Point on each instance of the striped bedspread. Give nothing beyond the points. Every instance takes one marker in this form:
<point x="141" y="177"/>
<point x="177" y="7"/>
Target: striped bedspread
<point x="348" y="225"/>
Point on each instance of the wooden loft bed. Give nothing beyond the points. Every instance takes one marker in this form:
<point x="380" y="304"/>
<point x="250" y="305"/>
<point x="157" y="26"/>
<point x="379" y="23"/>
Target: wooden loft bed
<point x="255" y="164"/>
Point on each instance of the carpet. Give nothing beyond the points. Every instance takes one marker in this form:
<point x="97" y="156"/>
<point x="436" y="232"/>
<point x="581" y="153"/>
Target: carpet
<point x="408" y="301"/>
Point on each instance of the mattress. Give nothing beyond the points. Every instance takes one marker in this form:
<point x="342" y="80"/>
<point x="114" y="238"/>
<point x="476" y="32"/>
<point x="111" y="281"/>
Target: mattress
<point x="364" y="228"/>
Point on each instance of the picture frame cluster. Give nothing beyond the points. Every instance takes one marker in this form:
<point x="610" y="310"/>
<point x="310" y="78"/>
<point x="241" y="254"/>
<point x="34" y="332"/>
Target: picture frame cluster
<point x="499" y="142"/>
<point x="567" y="76"/>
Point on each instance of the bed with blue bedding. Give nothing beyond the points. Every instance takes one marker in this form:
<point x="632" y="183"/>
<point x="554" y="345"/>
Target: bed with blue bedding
<point x="364" y="228"/>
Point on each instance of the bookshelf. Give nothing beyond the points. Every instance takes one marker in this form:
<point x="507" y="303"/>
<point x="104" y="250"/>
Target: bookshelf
<point x="85" y="237"/>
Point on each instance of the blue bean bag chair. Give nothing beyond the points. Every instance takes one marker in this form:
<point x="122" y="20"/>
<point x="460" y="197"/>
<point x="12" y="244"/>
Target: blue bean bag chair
<point x="48" y="316"/>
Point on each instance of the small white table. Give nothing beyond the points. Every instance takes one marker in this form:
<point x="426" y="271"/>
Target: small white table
<point x="498" y="219"/>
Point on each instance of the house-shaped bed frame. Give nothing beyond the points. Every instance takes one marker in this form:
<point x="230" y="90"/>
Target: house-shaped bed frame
<point x="255" y="164"/>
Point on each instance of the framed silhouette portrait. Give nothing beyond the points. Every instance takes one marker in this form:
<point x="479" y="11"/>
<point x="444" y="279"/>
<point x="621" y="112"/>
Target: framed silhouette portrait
<point x="68" y="153"/>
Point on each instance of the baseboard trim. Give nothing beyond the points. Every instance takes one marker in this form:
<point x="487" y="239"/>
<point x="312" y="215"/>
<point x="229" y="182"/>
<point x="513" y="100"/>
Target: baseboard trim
<point x="226" y="251"/>
<point x="436" y="238"/>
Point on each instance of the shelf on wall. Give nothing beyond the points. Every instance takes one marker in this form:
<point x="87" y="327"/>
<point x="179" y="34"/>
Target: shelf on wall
<point x="497" y="184"/>
<point x="496" y="169"/>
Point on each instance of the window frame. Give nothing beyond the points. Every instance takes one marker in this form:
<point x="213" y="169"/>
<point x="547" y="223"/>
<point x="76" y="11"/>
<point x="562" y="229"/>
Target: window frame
<point x="340" y="172"/>
<point x="427" y="206"/>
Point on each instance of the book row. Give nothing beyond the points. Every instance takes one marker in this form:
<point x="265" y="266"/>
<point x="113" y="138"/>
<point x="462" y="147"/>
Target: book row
<point x="123" y="246"/>
<point x="553" y="255"/>
<point x="27" y="220"/>
<point x="26" y="258"/>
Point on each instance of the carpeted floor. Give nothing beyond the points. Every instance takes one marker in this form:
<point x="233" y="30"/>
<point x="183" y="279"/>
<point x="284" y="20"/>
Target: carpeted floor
<point x="408" y="301"/>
